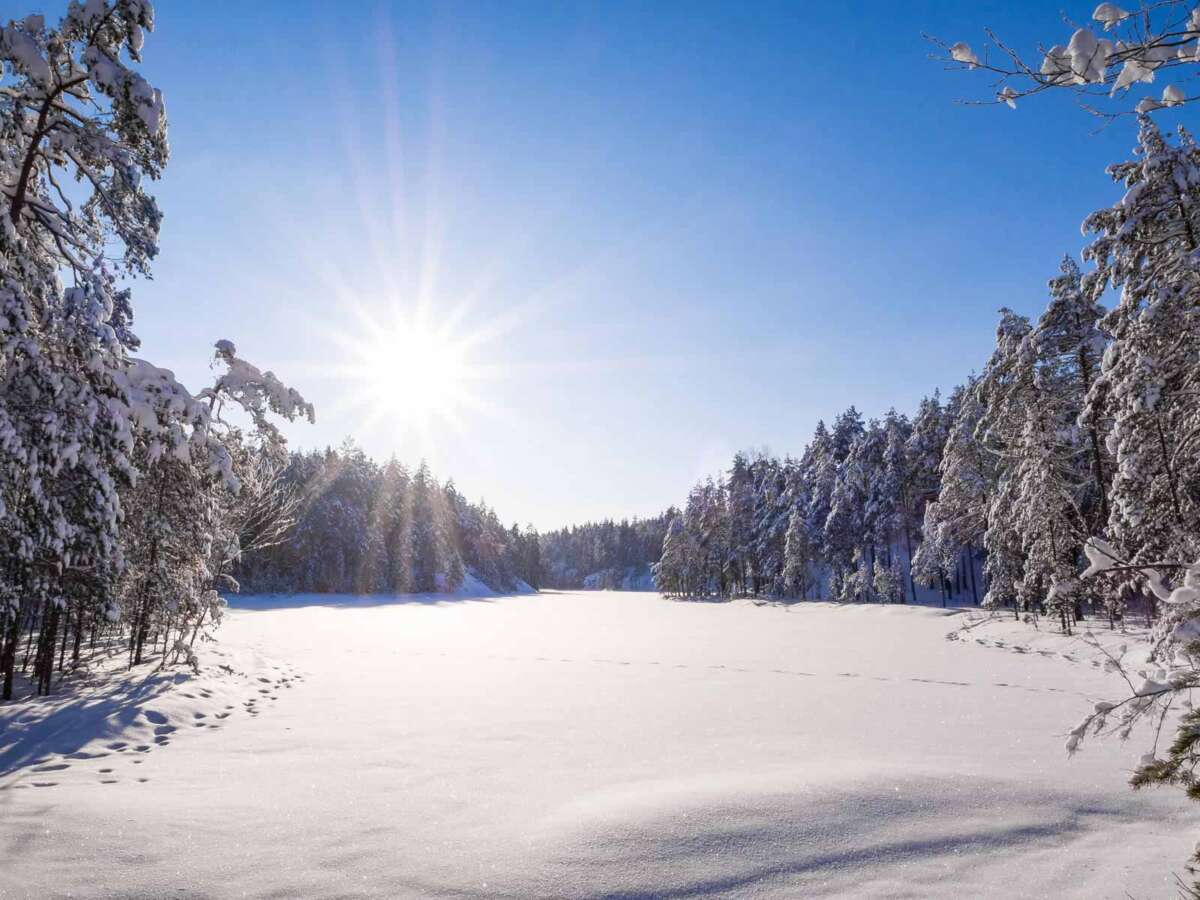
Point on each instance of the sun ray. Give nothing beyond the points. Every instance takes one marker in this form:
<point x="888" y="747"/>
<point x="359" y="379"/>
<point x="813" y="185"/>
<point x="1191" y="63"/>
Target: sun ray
<point x="410" y="369"/>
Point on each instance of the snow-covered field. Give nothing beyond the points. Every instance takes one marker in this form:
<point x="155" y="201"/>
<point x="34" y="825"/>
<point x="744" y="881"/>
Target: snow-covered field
<point x="588" y="745"/>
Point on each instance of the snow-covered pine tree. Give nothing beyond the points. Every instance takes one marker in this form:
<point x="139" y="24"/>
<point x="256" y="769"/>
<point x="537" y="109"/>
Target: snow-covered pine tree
<point x="851" y="531"/>
<point x="388" y="541"/>
<point x="926" y="443"/>
<point x="1058" y="468"/>
<point x="426" y="556"/>
<point x="1043" y="467"/>
<point x="842" y="493"/>
<point x="844" y="527"/>
<point x="527" y="556"/>
<point x="892" y="499"/>
<point x="677" y="572"/>
<point x="818" y="469"/>
<point x="1070" y="347"/>
<point x="740" y="513"/>
<point x="798" y="555"/>
<point x="452" y="570"/>
<point x="889" y="583"/>
<point x="772" y="508"/>
<point x="966" y="482"/>
<point x="1003" y="391"/>
<point x="1146" y="246"/>
<point x="714" y="535"/>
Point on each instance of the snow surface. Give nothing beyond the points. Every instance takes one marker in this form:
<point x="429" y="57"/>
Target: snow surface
<point x="597" y="745"/>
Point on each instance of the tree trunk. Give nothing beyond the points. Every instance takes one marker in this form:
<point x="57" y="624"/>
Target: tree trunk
<point x="62" y="649"/>
<point x="8" y="656"/>
<point x="44" y="664"/>
<point x="912" y="587"/>
<point x="78" y="634"/>
<point x="971" y="569"/>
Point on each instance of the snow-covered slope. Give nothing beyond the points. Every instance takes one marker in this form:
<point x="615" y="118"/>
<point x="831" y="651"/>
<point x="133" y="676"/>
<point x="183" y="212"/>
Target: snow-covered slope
<point x="636" y="578"/>
<point x="578" y="745"/>
<point x="472" y="587"/>
<point x="98" y="724"/>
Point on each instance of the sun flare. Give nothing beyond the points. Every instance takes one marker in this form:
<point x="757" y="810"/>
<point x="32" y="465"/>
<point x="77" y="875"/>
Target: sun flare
<point x="406" y="373"/>
<point x="411" y="370"/>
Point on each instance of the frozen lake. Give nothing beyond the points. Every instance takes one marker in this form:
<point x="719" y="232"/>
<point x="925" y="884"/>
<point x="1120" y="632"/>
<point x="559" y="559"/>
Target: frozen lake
<point x="593" y="745"/>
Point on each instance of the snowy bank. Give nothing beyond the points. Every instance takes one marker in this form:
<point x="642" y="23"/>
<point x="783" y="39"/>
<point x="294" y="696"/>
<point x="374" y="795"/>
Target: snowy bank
<point x="471" y="588"/>
<point x="104" y="718"/>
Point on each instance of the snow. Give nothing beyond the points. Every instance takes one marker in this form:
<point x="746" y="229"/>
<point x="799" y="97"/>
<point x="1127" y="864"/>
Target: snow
<point x="1089" y="56"/>
<point x="1092" y="646"/>
<point x="114" y="716"/>
<point x="962" y="52"/>
<point x="634" y="578"/>
<point x="596" y="744"/>
<point x="472" y="587"/>
<point x="1173" y="95"/>
<point x="23" y="50"/>
<point x="1101" y="556"/>
<point x="1109" y="14"/>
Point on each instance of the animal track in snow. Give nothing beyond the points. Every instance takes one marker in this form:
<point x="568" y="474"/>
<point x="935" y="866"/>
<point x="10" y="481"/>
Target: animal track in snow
<point x="940" y="682"/>
<point x="201" y="705"/>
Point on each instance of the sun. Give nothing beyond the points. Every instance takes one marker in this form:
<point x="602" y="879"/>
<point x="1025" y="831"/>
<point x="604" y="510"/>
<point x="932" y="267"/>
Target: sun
<point x="409" y="371"/>
<point x="414" y="371"/>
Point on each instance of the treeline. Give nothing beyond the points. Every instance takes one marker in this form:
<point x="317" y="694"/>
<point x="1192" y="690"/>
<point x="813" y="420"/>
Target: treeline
<point x="1079" y="437"/>
<point x="362" y="527"/>
<point x="840" y="521"/>
<point x="604" y="554"/>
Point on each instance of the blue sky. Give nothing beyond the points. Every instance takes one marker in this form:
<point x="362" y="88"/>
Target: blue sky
<point x="683" y="229"/>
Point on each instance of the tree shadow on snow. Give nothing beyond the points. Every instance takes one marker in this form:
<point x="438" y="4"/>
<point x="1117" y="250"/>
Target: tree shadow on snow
<point x="269" y="602"/>
<point x="30" y="733"/>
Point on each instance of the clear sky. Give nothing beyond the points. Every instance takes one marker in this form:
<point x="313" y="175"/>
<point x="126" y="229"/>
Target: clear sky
<point x="667" y="231"/>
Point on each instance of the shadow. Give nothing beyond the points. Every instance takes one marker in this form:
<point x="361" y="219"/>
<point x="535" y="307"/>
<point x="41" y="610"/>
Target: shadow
<point x="893" y="853"/>
<point x="799" y="602"/>
<point x="270" y="602"/>
<point x="778" y="847"/>
<point x="32" y="732"/>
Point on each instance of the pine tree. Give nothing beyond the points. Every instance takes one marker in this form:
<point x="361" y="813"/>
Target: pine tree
<point x="678" y="572"/>
<point x="1004" y="392"/>
<point x="740" y="512"/>
<point x="1070" y="346"/>
<point x="1146" y="246"/>
<point x="819" y="470"/>
<point x="426" y="560"/>
<point x="775" y="501"/>
<point x="925" y="447"/>
<point x="967" y="484"/>
<point x="892" y="501"/>
<point x="798" y="556"/>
